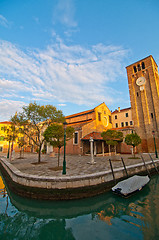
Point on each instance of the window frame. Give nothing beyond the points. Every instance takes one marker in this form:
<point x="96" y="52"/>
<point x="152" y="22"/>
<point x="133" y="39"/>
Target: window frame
<point x="76" y="133"/>
<point x="126" y="124"/>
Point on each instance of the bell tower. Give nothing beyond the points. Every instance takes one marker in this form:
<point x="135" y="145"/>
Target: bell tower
<point x="143" y="80"/>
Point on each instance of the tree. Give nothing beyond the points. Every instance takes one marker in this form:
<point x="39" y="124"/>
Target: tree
<point x="11" y="136"/>
<point x="21" y="144"/>
<point x="112" y="137"/>
<point x="133" y="139"/>
<point x="54" y="134"/>
<point x="34" y="119"/>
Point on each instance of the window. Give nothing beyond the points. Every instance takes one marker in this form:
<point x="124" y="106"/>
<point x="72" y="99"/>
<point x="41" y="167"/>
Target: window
<point x="110" y="119"/>
<point x="122" y="124"/>
<point x="137" y="94"/>
<point x="116" y="116"/>
<point x="139" y="67"/>
<point x="99" y="116"/>
<point x="1" y="149"/>
<point x="76" y="138"/>
<point x="135" y="69"/>
<point x="151" y="115"/>
<point x="116" y="125"/>
<point x="126" y="114"/>
<point x="131" y="122"/>
<point x="2" y="128"/>
<point x="126" y="123"/>
<point x="143" y="65"/>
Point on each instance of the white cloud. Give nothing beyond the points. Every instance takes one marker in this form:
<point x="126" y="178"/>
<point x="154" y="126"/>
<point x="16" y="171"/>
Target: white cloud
<point x="62" y="104"/>
<point x="64" y="13"/>
<point x="60" y="74"/>
<point x="8" y="108"/>
<point x="3" y="21"/>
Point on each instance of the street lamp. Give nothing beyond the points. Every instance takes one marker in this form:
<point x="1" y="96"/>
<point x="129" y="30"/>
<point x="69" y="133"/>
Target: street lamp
<point x="8" y="150"/>
<point x="153" y="133"/>
<point x="64" y="158"/>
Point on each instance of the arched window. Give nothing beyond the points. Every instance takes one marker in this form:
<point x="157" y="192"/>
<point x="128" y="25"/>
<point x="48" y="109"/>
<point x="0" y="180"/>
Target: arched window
<point x="135" y="69"/>
<point x="143" y="65"/>
<point x="139" y="67"/>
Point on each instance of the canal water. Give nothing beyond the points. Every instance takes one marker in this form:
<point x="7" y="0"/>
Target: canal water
<point x="102" y="217"/>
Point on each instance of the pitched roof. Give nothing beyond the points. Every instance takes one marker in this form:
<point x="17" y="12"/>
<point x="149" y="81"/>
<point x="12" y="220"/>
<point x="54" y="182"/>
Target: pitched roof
<point x="5" y="122"/>
<point x="82" y="113"/>
<point x="79" y="114"/>
<point x="123" y="128"/>
<point x="121" y="110"/>
<point x="94" y="135"/>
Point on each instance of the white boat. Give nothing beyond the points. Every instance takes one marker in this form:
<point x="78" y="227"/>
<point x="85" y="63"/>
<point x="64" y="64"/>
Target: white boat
<point x="130" y="185"/>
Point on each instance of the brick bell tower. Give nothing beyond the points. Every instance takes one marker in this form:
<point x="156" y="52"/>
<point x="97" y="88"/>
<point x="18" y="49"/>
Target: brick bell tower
<point x="143" y="80"/>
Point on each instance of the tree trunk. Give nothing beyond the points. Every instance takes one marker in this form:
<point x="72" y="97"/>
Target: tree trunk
<point x="39" y="154"/>
<point x="115" y="149"/>
<point x="58" y="157"/>
<point x="109" y="149"/>
<point x="134" y="151"/>
<point x="20" y="153"/>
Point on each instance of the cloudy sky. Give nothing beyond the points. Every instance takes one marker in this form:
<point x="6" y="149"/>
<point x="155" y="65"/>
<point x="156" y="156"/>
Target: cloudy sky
<point x="72" y="53"/>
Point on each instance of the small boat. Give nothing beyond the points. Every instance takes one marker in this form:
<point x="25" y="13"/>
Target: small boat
<point x="130" y="185"/>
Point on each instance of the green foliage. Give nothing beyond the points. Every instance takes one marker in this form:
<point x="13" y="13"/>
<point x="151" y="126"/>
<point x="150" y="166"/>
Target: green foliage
<point x="34" y="118"/>
<point x="112" y="137"/>
<point x="54" y="134"/>
<point x="11" y="133"/>
<point x="132" y="139"/>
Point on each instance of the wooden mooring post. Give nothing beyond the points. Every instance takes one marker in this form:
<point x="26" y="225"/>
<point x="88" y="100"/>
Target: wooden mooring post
<point x="153" y="163"/>
<point x="145" y="165"/>
<point x="124" y="166"/>
<point x="112" y="170"/>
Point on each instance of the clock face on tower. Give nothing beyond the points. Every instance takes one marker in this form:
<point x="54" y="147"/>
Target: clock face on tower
<point x="140" y="81"/>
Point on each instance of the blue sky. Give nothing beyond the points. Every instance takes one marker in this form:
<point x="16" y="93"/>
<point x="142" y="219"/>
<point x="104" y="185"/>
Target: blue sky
<point x="72" y="53"/>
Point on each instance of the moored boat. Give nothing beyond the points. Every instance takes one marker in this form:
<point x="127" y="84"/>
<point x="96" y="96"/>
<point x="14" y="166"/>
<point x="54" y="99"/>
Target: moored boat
<point x="130" y="185"/>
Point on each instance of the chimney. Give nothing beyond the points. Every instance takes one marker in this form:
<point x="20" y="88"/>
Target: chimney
<point x="118" y="109"/>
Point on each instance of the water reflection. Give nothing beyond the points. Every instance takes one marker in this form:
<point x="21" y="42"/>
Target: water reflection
<point x="103" y="217"/>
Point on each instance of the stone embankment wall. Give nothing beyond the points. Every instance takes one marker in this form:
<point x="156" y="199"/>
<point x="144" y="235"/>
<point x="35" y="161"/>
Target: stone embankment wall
<point x="65" y="187"/>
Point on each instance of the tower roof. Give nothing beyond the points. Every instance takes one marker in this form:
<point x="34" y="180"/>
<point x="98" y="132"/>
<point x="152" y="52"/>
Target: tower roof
<point x="150" y="56"/>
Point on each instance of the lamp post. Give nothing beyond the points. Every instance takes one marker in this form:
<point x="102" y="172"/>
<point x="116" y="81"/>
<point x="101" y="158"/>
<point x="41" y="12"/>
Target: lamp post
<point x="64" y="158"/>
<point x="8" y="150"/>
<point x="153" y="133"/>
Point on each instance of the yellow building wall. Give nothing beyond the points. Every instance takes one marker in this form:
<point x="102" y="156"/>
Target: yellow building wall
<point x="3" y="143"/>
<point x="103" y="118"/>
<point x="101" y="123"/>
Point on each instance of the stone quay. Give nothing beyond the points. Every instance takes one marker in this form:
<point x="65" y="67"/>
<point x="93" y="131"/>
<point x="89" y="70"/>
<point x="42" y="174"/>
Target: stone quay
<point x="26" y="177"/>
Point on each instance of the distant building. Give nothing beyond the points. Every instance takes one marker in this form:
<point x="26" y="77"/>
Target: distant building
<point x="122" y="121"/>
